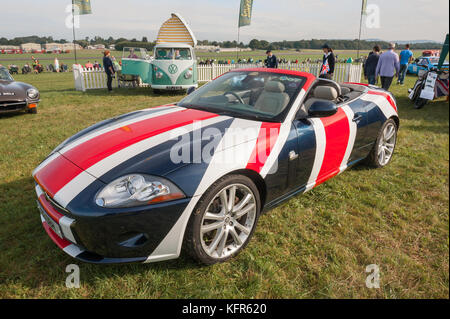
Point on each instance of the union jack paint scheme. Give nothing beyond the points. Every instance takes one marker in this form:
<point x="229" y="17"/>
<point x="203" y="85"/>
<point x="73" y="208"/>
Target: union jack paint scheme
<point x="135" y="189"/>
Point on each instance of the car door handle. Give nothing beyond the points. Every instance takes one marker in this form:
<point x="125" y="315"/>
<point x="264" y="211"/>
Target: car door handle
<point x="357" y="118"/>
<point x="293" y="155"/>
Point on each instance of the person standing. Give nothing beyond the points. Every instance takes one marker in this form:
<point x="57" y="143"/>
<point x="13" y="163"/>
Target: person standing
<point x="328" y="63"/>
<point x="271" y="61"/>
<point x="388" y="66"/>
<point x="406" y="57"/>
<point x="370" y="67"/>
<point x="56" y="65"/>
<point x="109" y="69"/>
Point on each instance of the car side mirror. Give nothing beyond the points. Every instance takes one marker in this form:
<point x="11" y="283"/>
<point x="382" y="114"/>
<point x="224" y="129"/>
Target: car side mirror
<point x="322" y="109"/>
<point x="190" y="90"/>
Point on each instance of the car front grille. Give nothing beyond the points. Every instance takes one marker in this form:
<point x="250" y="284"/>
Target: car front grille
<point x="12" y="105"/>
<point x="55" y="205"/>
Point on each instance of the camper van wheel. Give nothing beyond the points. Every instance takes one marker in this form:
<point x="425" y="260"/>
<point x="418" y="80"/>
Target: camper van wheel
<point x="157" y="91"/>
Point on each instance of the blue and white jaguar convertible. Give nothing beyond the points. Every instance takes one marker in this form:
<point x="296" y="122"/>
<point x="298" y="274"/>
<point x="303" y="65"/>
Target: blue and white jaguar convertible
<point x="198" y="174"/>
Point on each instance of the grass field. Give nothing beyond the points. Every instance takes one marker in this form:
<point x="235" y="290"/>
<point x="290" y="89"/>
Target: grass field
<point x="314" y="246"/>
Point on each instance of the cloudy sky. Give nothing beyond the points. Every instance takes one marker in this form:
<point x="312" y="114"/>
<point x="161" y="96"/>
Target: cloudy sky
<point x="217" y="19"/>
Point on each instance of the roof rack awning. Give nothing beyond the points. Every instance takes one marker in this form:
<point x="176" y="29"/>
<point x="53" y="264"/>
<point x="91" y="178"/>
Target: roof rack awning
<point x="176" y="30"/>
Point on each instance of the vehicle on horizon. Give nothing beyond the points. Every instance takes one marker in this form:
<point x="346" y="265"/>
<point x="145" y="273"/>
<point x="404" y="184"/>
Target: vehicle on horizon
<point x="199" y="173"/>
<point x="425" y="64"/>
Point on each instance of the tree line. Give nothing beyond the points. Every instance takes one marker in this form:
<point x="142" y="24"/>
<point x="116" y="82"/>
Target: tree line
<point x="254" y="44"/>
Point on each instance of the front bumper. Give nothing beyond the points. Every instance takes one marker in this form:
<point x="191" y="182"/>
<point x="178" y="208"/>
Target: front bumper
<point x="173" y="87"/>
<point x="111" y="239"/>
<point x="16" y="106"/>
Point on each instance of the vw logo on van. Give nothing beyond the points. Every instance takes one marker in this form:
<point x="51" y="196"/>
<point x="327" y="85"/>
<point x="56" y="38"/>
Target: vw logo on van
<point x="173" y="69"/>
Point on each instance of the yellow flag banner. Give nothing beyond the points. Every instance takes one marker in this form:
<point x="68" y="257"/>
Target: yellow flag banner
<point x="84" y="6"/>
<point x="364" y="7"/>
<point x="245" y="15"/>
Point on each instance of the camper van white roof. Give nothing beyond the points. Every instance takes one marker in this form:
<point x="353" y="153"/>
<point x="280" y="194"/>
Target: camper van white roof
<point x="173" y="45"/>
<point x="176" y="30"/>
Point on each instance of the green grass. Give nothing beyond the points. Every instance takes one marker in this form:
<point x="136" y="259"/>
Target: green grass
<point x="314" y="246"/>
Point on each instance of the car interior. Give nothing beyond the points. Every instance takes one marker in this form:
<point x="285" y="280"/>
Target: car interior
<point x="262" y="94"/>
<point x="328" y="90"/>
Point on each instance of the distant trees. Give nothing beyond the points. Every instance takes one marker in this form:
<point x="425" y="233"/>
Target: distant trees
<point x="135" y="44"/>
<point x="315" y="44"/>
<point x="254" y="44"/>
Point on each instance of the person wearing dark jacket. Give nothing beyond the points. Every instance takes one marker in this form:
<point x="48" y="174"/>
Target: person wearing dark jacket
<point x="271" y="61"/>
<point x="370" y="67"/>
<point x="109" y="69"/>
<point x="328" y="63"/>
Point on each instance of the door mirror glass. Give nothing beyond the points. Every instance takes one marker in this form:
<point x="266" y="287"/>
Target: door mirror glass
<point x="322" y="109"/>
<point x="190" y="90"/>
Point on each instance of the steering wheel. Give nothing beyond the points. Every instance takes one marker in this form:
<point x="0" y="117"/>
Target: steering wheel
<point x="236" y="96"/>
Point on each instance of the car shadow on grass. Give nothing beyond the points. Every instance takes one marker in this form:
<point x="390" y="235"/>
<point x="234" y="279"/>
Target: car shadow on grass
<point x="30" y="258"/>
<point x="13" y="114"/>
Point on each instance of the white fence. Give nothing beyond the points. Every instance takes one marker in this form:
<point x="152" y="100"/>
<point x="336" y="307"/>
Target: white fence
<point x="343" y="72"/>
<point x="87" y="79"/>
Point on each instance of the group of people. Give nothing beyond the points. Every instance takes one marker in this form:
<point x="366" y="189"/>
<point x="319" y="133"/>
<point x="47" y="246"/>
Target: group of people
<point x="387" y="65"/>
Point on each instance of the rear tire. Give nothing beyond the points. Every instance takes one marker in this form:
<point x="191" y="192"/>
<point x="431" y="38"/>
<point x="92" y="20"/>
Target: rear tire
<point x="219" y="229"/>
<point x="384" y="148"/>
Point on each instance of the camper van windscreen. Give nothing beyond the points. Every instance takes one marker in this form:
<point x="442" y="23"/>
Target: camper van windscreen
<point x="173" y="54"/>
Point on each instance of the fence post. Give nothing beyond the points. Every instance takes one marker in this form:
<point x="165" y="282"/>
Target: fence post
<point x="78" y="77"/>
<point x="348" y="68"/>
<point x="213" y="71"/>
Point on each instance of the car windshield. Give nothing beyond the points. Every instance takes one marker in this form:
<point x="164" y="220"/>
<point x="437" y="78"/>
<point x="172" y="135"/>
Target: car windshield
<point x="173" y="54"/>
<point x="4" y="75"/>
<point x="262" y="96"/>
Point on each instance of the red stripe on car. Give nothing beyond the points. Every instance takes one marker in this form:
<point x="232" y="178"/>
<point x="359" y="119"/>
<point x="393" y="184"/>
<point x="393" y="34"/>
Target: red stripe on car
<point x="56" y="174"/>
<point x="337" y="132"/>
<point x="53" y="213"/>
<point x="62" y="243"/>
<point x="268" y="135"/>
<point x="91" y="152"/>
<point x="387" y="96"/>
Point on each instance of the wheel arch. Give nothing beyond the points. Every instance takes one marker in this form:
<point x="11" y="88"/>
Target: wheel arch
<point x="396" y="120"/>
<point x="257" y="179"/>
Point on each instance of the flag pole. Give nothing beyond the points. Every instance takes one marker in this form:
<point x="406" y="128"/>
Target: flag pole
<point x="237" y="48"/>
<point x="73" y="27"/>
<point x="360" y="28"/>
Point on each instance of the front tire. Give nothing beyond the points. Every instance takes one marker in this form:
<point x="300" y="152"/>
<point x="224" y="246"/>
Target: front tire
<point x="32" y="110"/>
<point x="383" y="150"/>
<point x="420" y="103"/>
<point x="224" y="220"/>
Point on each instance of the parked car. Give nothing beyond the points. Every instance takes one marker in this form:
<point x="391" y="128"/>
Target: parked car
<point x="199" y="173"/>
<point x="426" y="64"/>
<point x="16" y="96"/>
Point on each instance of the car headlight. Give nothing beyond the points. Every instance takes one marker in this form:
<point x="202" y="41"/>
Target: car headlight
<point x="32" y="93"/>
<point x="158" y="75"/>
<point x="137" y="190"/>
<point x="188" y="74"/>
